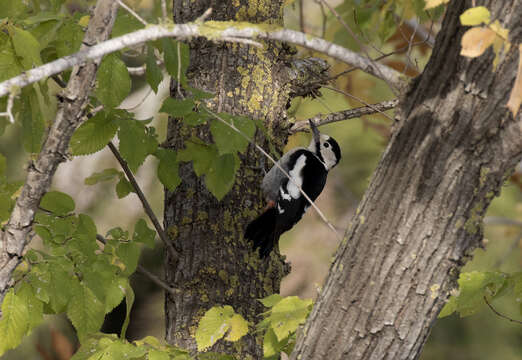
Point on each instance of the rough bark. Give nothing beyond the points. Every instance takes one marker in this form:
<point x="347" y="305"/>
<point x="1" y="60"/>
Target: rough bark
<point x="69" y="117"/>
<point x="452" y="149"/>
<point x="217" y="266"/>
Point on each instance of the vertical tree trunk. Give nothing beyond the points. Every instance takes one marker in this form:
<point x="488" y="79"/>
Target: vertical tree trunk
<point x="455" y="143"/>
<point x="217" y="266"/>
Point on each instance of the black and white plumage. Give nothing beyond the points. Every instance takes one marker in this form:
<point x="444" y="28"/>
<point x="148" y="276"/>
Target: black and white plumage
<point x="308" y="168"/>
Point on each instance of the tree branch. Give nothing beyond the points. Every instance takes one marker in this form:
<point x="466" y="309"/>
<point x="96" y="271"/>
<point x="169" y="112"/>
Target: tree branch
<point x="345" y="115"/>
<point x="499" y="314"/>
<point x="146" y="206"/>
<point x="70" y="115"/>
<point x="214" y="30"/>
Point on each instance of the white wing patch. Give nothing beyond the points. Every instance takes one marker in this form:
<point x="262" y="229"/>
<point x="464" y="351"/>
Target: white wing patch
<point x="295" y="175"/>
<point x="284" y="195"/>
<point x="279" y="209"/>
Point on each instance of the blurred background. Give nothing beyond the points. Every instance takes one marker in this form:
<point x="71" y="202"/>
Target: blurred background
<point x="309" y="247"/>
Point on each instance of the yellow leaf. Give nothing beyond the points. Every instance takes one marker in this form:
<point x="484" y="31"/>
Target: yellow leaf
<point x="476" y="40"/>
<point x="516" y="94"/>
<point x="434" y="3"/>
<point x="499" y="30"/>
<point x="475" y="16"/>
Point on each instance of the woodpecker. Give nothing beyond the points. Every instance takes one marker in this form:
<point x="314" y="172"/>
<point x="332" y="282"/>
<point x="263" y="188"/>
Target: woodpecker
<point x="308" y="169"/>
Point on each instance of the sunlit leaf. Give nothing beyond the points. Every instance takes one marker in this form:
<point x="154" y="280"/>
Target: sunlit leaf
<point x="476" y="40"/>
<point x="57" y="202"/>
<point x="475" y="16"/>
<point x="113" y="81"/>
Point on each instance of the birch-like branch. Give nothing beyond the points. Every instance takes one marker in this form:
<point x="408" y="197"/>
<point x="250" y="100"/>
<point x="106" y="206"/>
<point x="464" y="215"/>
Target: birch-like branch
<point x="69" y="117"/>
<point x="345" y="115"/>
<point x="213" y="30"/>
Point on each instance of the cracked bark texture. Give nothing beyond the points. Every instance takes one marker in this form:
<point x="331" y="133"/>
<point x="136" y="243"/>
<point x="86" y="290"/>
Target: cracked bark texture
<point x="69" y="117"/>
<point x="216" y="266"/>
<point x="453" y="147"/>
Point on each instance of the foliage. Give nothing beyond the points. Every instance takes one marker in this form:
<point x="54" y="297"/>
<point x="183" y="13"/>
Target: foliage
<point x="83" y="275"/>
<point x="279" y="325"/>
<point x="475" y="286"/>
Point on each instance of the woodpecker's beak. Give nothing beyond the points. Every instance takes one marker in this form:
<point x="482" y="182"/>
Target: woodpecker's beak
<point x="315" y="131"/>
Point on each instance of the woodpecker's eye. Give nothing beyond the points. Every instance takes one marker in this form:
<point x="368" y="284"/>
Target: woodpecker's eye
<point x="326" y="145"/>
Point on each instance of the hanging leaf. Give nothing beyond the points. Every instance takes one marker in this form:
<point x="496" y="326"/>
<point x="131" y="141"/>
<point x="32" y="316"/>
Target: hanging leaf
<point x="94" y="134"/>
<point x="227" y="139"/>
<point x="515" y="98"/>
<point x="153" y="73"/>
<point x="57" y="202"/>
<point x="136" y="142"/>
<point x="220" y="175"/>
<point x="143" y="234"/>
<point x="168" y="168"/>
<point x="113" y="81"/>
<point x="216" y="322"/>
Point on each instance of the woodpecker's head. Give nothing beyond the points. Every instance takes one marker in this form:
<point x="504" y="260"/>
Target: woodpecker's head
<point x="324" y="147"/>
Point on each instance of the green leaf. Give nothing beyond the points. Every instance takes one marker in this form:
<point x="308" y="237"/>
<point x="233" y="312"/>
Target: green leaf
<point x="14" y="322"/>
<point x="85" y="311"/>
<point x="168" y="168"/>
<point x="57" y="202"/>
<point x="158" y="355"/>
<point x="287" y="315"/>
<point x="125" y="23"/>
<point x="9" y="64"/>
<point x="12" y="9"/>
<point x="195" y="118"/>
<point x="34" y="306"/>
<point x="33" y="124"/>
<point x="129" y="254"/>
<point x="215" y="324"/>
<point x="114" y="82"/>
<point x="129" y="299"/>
<point x="170" y="55"/>
<point x="64" y="286"/>
<point x="94" y="134"/>
<point x="40" y="279"/>
<point x="153" y="73"/>
<point x="136" y="142"/>
<point x="69" y="38"/>
<point x="473" y="286"/>
<point x="177" y="107"/>
<point x="271" y="346"/>
<point x="227" y="139"/>
<point x="123" y="188"/>
<point x="220" y="176"/>
<point x="143" y="234"/>
<point x="26" y="46"/>
<point x="212" y="356"/>
<point x="475" y="16"/>
<point x="105" y="175"/>
<point x="271" y="300"/>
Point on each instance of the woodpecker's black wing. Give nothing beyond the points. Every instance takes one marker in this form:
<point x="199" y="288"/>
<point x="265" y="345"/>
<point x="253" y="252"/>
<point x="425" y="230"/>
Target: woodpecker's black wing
<point x="308" y="172"/>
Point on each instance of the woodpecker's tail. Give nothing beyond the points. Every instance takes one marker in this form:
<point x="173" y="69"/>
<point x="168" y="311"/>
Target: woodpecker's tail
<point x="262" y="232"/>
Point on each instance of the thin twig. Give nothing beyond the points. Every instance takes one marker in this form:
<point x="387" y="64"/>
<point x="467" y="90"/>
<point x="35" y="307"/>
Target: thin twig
<point x="345" y="115"/>
<point x="324" y="18"/>
<point x="497" y="220"/>
<point x="132" y="12"/>
<point x="9" y="108"/>
<point x="499" y="314"/>
<point x="301" y="16"/>
<point x="59" y="81"/>
<point x="361" y="45"/>
<point x="319" y="212"/>
<point x="359" y="100"/>
<point x="148" y="210"/>
<point x="153" y="278"/>
<point x="164" y="10"/>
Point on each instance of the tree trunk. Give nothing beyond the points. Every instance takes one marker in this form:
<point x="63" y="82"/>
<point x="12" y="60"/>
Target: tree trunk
<point x="421" y="217"/>
<point x="217" y="266"/>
